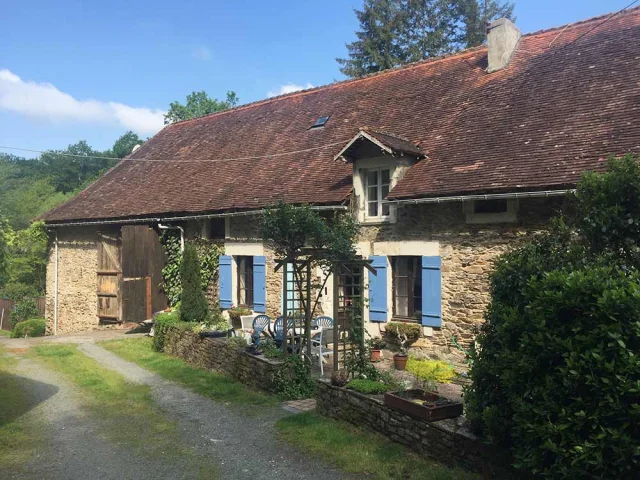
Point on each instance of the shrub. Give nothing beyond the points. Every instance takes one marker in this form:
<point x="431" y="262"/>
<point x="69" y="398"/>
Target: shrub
<point x="368" y="387"/>
<point x="193" y="306"/>
<point x="237" y="342"/>
<point x="269" y="349"/>
<point x="556" y="376"/>
<point x="430" y="371"/>
<point x="162" y="322"/>
<point x="293" y="380"/>
<point x="411" y="330"/>
<point x="24" y="309"/>
<point x="34" y="327"/>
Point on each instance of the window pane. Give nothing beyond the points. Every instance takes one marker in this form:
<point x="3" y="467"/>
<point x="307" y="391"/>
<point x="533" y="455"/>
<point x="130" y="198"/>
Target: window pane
<point x="385" y="210"/>
<point x="402" y="286"/>
<point x="402" y="306"/>
<point x="373" y="209"/>
<point x="385" y="177"/>
<point x="372" y="177"/>
<point x="402" y="266"/>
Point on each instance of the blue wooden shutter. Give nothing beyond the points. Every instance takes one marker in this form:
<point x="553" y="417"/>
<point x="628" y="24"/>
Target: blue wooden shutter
<point x="259" y="284"/>
<point x="378" y="289"/>
<point x="431" y="292"/>
<point x="225" y="282"/>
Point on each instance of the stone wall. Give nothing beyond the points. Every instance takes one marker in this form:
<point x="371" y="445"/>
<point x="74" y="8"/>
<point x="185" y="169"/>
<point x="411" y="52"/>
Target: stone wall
<point x="217" y="355"/>
<point x="447" y="441"/>
<point x="77" y="281"/>
<point x="467" y="253"/>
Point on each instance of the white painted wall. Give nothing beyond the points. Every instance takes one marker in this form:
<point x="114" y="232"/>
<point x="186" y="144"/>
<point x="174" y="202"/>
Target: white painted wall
<point x="236" y="249"/>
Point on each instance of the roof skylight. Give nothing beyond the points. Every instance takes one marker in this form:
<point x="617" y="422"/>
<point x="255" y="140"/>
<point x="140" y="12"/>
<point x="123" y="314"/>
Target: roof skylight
<point x="320" y="122"/>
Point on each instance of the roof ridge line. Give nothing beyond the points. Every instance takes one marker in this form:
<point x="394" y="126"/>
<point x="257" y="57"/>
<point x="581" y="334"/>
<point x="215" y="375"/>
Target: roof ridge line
<point x="391" y="71"/>
<point x="578" y="23"/>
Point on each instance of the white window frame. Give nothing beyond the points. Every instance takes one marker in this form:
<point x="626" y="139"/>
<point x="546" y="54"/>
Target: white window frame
<point x="380" y="198"/>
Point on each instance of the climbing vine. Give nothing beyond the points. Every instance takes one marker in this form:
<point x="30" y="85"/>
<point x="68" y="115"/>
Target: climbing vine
<point x="208" y="254"/>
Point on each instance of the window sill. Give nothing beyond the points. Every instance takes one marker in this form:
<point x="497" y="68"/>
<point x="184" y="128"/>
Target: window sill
<point x="377" y="221"/>
<point x="405" y="319"/>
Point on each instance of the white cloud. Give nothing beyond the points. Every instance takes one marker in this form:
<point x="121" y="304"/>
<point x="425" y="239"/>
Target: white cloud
<point x="43" y="101"/>
<point x="288" y="88"/>
<point x="201" y="53"/>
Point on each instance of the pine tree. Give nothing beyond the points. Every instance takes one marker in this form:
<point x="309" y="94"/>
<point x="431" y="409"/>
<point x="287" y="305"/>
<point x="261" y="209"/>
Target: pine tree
<point x="473" y="16"/>
<point x="194" y="306"/>
<point x="377" y="47"/>
<point x="396" y="32"/>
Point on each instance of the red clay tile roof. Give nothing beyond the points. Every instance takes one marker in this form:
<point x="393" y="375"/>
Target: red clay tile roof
<point x="569" y="99"/>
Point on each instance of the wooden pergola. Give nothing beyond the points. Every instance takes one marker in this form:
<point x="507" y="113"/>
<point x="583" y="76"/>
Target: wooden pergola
<point x="303" y="287"/>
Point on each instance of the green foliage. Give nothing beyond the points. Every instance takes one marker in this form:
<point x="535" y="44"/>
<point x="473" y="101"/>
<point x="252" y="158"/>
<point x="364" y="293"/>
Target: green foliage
<point x="366" y="386"/>
<point x="198" y="104"/>
<point x="268" y="348"/>
<point x="293" y="379"/>
<point x="556" y="376"/>
<point x="397" y="32"/>
<point x="4" y="246"/>
<point x="208" y="257"/>
<point x="162" y="322"/>
<point x="27" y="263"/>
<point x="290" y="228"/>
<point x="236" y="312"/>
<point x="238" y="342"/>
<point x="193" y="303"/>
<point x="124" y="145"/>
<point x="24" y="309"/>
<point x="430" y="372"/>
<point x="398" y="330"/>
<point x="34" y="327"/>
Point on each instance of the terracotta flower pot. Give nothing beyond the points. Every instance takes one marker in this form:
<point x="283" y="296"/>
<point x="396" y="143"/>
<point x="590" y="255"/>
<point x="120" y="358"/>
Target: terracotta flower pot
<point x="400" y="361"/>
<point x="375" y="355"/>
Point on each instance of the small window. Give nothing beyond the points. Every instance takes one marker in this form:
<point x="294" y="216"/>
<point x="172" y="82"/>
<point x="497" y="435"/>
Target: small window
<point x="407" y="287"/>
<point x="245" y="281"/>
<point x="377" y="183"/>
<point x="490" y="206"/>
<point x="320" y="122"/>
<point x="214" y="229"/>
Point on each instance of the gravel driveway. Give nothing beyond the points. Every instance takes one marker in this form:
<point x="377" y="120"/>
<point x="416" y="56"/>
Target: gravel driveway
<point x="244" y="446"/>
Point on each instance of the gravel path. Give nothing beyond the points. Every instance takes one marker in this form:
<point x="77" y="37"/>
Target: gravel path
<point x="245" y="446"/>
<point x="74" y="447"/>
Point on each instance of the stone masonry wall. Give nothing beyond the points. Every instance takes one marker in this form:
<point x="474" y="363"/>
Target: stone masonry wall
<point x="467" y="253"/>
<point x="77" y="281"/>
<point x="447" y="441"/>
<point x="217" y="355"/>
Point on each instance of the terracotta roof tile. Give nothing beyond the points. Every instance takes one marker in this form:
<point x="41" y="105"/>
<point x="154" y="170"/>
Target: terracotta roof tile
<point x="569" y="99"/>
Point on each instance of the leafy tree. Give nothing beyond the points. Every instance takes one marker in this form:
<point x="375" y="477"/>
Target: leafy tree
<point x="555" y="373"/>
<point x="396" y="32"/>
<point x="27" y="262"/>
<point x="198" y="104"/>
<point x="124" y="145"/>
<point x="4" y="240"/>
<point x="194" y="306"/>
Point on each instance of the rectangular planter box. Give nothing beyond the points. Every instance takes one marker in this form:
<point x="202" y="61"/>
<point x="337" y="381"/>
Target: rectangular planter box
<point x="404" y="402"/>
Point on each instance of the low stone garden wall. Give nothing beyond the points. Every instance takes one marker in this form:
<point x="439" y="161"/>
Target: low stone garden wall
<point x="447" y="441"/>
<point x="217" y="355"/>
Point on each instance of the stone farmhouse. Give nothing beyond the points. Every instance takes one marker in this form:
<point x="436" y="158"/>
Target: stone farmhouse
<point x="446" y="162"/>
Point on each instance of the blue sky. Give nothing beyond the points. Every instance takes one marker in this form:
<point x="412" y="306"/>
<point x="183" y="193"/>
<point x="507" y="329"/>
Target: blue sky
<point x="72" y="70"/>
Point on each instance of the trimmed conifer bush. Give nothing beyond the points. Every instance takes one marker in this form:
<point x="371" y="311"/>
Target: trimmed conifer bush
<point x="194" y="306"/>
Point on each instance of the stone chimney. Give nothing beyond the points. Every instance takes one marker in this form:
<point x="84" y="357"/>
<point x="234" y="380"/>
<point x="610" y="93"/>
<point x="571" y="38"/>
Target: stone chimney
<point x="502" y="39"/>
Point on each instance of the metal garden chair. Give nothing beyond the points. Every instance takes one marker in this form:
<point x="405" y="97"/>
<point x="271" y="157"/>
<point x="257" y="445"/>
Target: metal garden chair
<point x="278" y="331"/>
<point x="260" y="324"/>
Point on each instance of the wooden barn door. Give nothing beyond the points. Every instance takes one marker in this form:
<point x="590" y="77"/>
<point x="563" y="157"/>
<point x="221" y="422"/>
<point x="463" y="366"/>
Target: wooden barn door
<point x="109" y="278"/>
<point x="142" y="262"/>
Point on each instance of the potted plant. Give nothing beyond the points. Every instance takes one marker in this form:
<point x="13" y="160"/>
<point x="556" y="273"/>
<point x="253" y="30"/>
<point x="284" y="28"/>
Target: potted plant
<point x="403" y="333"/>
<point x="376" y="345"/>
<point x="400" y="359"/>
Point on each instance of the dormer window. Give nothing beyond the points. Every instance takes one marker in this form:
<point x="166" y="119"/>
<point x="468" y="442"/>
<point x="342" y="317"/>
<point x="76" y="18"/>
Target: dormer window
<point x="377" y="182"/>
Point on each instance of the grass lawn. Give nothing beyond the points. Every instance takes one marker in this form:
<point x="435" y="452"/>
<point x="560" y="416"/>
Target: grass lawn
<point x="5" y="333"/>
<point x="19" y="439"/>
<point x="125" y="410"/>
<point x="361" y="452"/>
<point x="209" y="384"/>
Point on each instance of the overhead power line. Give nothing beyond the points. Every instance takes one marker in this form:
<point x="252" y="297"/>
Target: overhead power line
<point x="188" y="160"/>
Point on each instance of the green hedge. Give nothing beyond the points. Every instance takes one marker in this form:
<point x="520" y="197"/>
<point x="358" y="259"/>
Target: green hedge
<point x="556" y="371"/>
<point x="29" y="328"/>
<point x="162" y="322"/>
